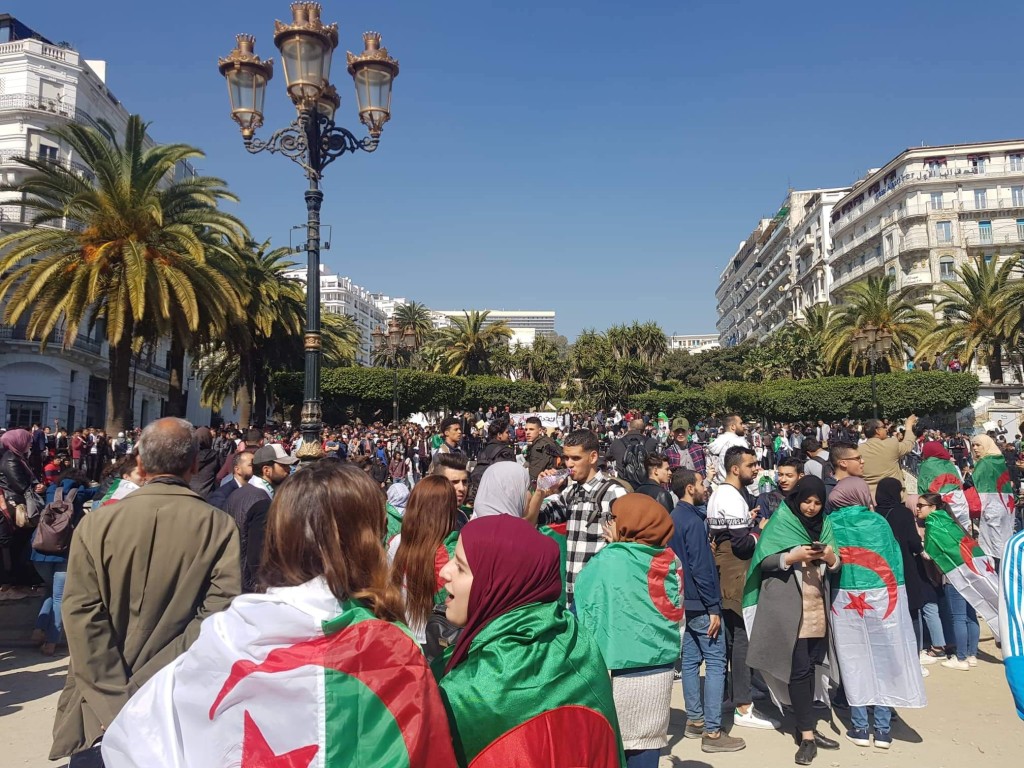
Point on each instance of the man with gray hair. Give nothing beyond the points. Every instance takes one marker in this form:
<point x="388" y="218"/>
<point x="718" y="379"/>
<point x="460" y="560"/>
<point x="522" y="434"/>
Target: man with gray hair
<point x="143" y="574"/>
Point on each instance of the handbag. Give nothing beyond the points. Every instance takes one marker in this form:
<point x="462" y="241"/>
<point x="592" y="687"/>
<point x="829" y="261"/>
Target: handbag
<point x="440" y="632"/>
<point x="27" y="515"/>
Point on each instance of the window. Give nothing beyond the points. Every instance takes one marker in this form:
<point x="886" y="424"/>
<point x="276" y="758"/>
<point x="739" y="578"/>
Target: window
<point x="48" y="154"/>
<point x="944" y="231"/>
<point x="946" y="271"/>
<point x="979" y="164"/>
<point x="1020" y="229"/>
<point x="935" y="167"/>
<point x="980" y="199"/>
<point x="888" y="243"/>
<point x="1017" y="196"/>
<point x="1016" y="162"/>
<point x="24" y="413"/>
<point x="985" y="232"/>
<point x="988" y="257"/>
<point x="892" y="272"/>
<point x="936" y="203"/>
<point x="862" y="259"/>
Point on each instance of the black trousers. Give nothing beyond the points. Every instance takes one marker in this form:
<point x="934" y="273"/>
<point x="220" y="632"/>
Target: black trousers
<point x="739" y="672"/>
<point x="808" y="653"/>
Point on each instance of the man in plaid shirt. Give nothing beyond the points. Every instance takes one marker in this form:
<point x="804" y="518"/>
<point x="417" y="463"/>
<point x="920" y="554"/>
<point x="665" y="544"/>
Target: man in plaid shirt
<point x="587" y="502"/>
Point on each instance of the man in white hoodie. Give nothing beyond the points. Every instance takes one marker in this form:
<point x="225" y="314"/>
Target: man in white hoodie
<point x="733" y="434"/>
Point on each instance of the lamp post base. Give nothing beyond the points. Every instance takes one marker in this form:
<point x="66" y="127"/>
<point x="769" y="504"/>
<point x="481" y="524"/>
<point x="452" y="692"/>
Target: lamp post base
<point x="312" y="423"/>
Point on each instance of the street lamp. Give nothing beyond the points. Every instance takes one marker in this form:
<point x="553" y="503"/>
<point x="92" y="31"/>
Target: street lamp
<point x="389" y="345"/>
<point x="313" y="141"/>
<point x="873" y="343"/>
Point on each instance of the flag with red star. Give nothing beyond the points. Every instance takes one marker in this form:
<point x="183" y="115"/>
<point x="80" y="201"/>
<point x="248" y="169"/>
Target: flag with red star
<point x="288" y="679"/>
<point x="871" y="625"/>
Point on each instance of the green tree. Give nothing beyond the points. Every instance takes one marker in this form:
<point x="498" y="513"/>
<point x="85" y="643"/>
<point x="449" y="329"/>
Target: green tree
<point x="416" y="317"/>
<point x="979" y="314"/>
<point x="467" y="344"/>
<point x="124" y="244"/>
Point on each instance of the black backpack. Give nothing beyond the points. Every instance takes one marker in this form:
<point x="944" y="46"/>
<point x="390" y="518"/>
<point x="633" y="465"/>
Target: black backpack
<point x="633" y="470"/>
<point x="828" y="475"/>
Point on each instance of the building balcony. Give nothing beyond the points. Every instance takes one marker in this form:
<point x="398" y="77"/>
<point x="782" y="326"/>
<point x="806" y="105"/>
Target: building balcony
<point x="920" y="243"/>
<point x="805" y="244"/>
<point x="1001" y="203"/>
<point x="39" y="48"/>
<point x="18" y="334"/>
<point x="11" y="158"/>
<point x="19" y="102"/>
<point x="983" y="240"/>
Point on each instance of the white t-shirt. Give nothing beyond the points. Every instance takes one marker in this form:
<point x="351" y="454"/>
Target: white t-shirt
<point x="718" y="448"/>
<point x="728" y="509"/>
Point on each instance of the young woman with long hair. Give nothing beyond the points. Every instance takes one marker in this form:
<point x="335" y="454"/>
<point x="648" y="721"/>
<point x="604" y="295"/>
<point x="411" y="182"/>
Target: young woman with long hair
<point x="423" y="547"/>
<point x="315" y="670"/>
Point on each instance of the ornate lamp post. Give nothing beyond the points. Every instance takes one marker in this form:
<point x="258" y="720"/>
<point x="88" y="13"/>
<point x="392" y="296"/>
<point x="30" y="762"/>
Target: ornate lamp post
<point x="313" y="140"/>
<point x="389" y="345"/>
<point x="874" y="344"/>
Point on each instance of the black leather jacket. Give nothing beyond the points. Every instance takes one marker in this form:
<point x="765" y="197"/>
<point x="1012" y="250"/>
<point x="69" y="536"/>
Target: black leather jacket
<point x="15" y="476"/>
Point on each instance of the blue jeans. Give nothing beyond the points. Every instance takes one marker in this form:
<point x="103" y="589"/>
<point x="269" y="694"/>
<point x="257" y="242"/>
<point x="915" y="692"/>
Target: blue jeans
<point x="965" y="624"/>
<point x="859" y="718"/>
<point x="698" y="647"/>
<point x="49" y="619"/>
<point x="929" y="615"/>
<point x="642" y="758"/>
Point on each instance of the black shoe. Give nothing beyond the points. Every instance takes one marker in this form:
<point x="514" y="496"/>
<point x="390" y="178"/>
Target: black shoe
<point x="807" y="752"/>
<point x="825" y="742"/>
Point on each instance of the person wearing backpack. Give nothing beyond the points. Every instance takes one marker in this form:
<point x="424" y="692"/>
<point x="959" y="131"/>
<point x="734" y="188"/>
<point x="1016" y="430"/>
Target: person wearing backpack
<point x="20" y="505"/>
<point x="74" y="490"/>
<point x="630" y="451"/>
<point x="818" y="463"/>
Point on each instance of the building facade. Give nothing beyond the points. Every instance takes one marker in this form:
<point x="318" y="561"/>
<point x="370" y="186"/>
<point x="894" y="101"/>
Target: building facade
<point x="526" y="325"/>
<point x="693" y="343"/>
<point x="343" y="297"/>
<point x="388" y="304"/>
<point x="926" y="212"/>
<point x="44" y="86"/>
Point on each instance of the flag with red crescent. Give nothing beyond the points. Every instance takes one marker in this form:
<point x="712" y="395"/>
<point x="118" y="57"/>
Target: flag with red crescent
<point x="962" y="560"/>
<point x="630" y="597"/>
<point x="992" y="482"/>
<point x="288" y="679"/>
<point x="871" y="622"/>
<point x="941" y="476"/>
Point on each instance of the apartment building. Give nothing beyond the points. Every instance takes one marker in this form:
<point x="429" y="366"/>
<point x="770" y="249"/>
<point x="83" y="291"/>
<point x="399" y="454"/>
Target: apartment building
<point x="526" y="325"/>
<point x="693" y="343"/>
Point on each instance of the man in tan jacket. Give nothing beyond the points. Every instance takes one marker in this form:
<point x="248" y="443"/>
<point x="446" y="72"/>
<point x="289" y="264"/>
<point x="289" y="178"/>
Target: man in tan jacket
<point x="143" y="573"/>
<point x="882" y="453"/>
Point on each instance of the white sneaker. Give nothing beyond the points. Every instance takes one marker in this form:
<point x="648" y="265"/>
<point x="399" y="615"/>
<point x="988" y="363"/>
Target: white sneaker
<point x="954" y="663"/>
<point x="924" y="672"/>
<point x="752" y="720"/>
<point x="972" y="661"/>
<point x="927" y="658"/>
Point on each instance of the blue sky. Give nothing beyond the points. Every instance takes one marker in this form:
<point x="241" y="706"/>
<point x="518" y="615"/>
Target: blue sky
<point x="602" y="159"/>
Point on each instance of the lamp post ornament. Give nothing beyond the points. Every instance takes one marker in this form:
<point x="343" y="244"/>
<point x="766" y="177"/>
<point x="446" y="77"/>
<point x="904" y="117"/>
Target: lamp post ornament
<point x="391" y="343"/>
<point x="874" y="343"/>
<point x="312" y="140"/>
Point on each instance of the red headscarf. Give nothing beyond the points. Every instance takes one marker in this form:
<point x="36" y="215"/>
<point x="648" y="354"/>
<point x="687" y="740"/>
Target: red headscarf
<point x="512" y="565"/>
<point x="934" y="450"/>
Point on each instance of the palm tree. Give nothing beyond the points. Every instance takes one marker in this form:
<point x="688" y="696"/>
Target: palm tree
<point x="979" y="314"/>
<point x="415" y="316"/>
<point x="875" y="302"/>
<point x="467" y="343"/>
<point x="128" y="246"/>
<point x="652" y="344"/>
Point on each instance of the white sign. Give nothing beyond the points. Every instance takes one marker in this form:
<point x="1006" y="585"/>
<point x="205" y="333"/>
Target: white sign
<point x="548" y="419"/>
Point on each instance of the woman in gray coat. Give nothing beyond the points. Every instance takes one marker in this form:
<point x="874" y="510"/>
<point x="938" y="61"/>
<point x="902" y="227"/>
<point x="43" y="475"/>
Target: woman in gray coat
<point x="789" y="625"/>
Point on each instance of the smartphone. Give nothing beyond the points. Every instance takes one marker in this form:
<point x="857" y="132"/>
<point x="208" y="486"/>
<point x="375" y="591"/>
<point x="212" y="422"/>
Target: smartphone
<point x="817" y="546"/>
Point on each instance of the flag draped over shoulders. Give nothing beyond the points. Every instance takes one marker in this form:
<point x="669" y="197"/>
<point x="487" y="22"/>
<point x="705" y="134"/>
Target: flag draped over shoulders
<point x="445" y="552"/>
<point x="117" y="491"/>
<point x="629" y="596"/>
<point x="969" y="570"/>
<point x="394" y="524"/>
<point x="1011" y="618"/>
<point x="941" y="476"/>
<point x="874" y="634"/>
<point x="290" y="678"/>
<point x="995" y="489"/>
<point x="533" y="692"/>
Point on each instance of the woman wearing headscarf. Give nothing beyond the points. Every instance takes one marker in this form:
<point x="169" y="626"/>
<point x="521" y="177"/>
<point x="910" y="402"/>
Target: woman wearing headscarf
<point x="992" y="482"/>
<point x="398" y="497"/>
<point x="786" y="606"/>
<point x="523" y="684"/>
<point x="19" y="487"/>
<point x="636" y="625"/>
<point x="503" y="490"/>
<point x="924" y="588"/>
<point x="850" y="492"/>
<point x="938" y="474"/>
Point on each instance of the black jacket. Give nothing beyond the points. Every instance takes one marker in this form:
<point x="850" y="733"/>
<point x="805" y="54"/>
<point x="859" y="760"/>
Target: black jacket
<point x="204" y="481"/>
<point x="15" y="476"/>
<point x="493" y="452"/>
<point x="657" y="493"/>
<point x="537" y="457"/>
<point x="220" y="495"/>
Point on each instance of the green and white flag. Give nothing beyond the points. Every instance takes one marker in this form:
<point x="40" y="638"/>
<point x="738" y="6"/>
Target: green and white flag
<point x="942" y="477"/>
<point x="630" y="597"/>
<point x="971" y="572"/>
<point x="871" y="624"/>
<point x="992" y="482"/>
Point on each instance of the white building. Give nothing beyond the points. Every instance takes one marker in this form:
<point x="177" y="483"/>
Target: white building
<point x="388" y="304"/>
<point x="776" y="268"/>
<point x="928" y="210"/>
<point x="343" y="297"/>
<point x="526" y="325"/>
<point x="693" y="343"/>
<point x="43" y="86"/>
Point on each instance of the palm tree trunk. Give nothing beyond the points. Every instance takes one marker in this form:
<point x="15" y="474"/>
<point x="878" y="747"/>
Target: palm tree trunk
<point x="995" y="364"/>
<point x="175" y="393"/>
<point x="244" y="401"/>
<point x="259" y="381"/>
<point x="119" y="394"/>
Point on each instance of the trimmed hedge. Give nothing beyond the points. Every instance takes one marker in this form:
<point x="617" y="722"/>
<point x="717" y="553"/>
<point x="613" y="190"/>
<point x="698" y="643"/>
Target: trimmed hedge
<point x="833" y="397"/>
<point x="367" y="392"/>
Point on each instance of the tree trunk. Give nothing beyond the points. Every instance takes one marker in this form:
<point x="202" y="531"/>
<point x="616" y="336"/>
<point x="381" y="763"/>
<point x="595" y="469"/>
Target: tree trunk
<point x="259" y="382"/>
<point x="243" y="401"/>
<point x="175" y="394"/>
<point x="119" y="392"/>
<point x="995" y="364"/>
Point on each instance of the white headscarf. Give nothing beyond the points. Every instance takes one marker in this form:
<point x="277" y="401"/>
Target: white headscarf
<point x="502" y="491"/>
<point x="398" y="496"/>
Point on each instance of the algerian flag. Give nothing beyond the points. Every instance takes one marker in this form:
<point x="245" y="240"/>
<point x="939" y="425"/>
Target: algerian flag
<point x="533" y="691"/>
<point x="558" y="532"/>
<point x="445" y="552"/>
<point x="630" y="597"/>
<point x="782" y="532"/>
<point x="992" y="482"/>
<point x="968" y="568"/>
<point x="1011" y="618"/>
<point x="117" y="491"/>
<point x="289" y="678"/>
<point x="394" y="524"/>
<point x="871" y="624"/>
<point x="941" y="476"/>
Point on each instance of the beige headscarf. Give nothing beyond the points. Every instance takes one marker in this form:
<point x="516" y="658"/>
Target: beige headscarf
<point x="987" y="445"/>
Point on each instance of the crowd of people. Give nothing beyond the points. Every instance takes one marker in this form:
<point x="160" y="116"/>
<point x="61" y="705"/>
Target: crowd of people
<point x="469" y="592"/>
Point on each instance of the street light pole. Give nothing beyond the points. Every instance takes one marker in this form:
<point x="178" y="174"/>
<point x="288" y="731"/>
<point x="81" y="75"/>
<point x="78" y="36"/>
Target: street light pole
<point x="388" y="345"/>
<point x="313" y="141"/>
<point x="873" y="343"/>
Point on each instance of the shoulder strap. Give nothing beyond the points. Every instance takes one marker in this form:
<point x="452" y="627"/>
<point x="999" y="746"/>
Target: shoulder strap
<point x="58" y="495"/>
<point x="70" y="498"/>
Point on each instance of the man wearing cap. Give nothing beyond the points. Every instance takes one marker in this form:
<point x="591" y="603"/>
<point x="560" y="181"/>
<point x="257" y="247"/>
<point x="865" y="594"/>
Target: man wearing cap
<point x="678" y="454"/>
<point x="271" y="466"/>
